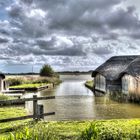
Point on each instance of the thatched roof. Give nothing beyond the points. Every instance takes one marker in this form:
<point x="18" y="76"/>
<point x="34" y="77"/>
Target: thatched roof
<point x="115" y="66"/>
<point x="2" y="75"/>
<point x="133" y="68"/>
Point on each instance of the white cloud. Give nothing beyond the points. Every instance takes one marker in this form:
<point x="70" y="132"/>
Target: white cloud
<point x="68" y="34"/>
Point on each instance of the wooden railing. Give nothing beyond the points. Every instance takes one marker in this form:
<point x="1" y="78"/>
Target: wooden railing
<point x="38" y="110"/>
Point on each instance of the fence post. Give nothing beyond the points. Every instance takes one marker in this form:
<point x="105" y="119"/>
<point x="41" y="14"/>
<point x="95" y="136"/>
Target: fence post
<point x="34" y="107"/>
<point x="40" y="111"/>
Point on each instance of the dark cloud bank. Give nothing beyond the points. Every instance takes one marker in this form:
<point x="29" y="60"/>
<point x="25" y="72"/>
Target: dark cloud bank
<point x="69" y="35"/>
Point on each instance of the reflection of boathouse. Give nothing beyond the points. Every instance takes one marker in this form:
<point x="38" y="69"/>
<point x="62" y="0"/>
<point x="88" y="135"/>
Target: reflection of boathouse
<point x="119" y="73"/>
<point x="2" y="82"/>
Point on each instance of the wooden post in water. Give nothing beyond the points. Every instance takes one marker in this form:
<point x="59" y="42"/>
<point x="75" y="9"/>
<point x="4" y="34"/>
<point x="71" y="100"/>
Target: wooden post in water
<point x="35" y="107"/>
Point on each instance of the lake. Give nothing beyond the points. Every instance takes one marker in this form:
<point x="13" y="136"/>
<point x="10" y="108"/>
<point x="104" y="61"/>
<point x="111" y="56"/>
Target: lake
<point x="75" y="102"/>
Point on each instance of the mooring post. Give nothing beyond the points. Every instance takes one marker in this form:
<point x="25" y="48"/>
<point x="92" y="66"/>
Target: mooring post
<point x="35" y="107"/>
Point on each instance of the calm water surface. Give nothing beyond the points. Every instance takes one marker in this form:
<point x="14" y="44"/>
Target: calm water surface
<point x="75" y="102"/>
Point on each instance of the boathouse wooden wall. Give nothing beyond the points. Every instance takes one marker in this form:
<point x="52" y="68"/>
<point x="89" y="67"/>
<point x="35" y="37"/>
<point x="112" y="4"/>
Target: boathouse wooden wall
<point x="1" y="84"/>
<point x="106" y="86"/>
<point x="131" y="86"/>
<point x="100" y="83"/>
<point x="113" y="85"/>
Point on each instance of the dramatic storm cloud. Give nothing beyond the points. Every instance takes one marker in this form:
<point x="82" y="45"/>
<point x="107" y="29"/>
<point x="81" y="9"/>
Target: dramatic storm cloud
<point x="67" y="34"/>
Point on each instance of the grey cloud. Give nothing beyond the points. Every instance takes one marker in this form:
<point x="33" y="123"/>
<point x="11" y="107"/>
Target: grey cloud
<point x="3" y="40"/>
<point x="135" y="34"/>
<point x="68" y="52"/>
<point x="132" y="47"/>
<point x="5" y="3"/>
<point x="4" y="32"/>
<point x="123" y="19"/>
<point x="28" y="2"/>
<point x="102" y="51"/>
<point x="15" y="11"/>
<point x="110" y="36"/>
<point x="74" y="51"/>
<point x="65" y="31"/>
<point x="69" y="17"/>
<point x="47" y="44"/>
<point x="86" y="3"/>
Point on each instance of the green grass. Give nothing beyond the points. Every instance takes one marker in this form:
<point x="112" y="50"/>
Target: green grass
<point x="29" y="85"/>
<point x="5" y="97"/>
<point x="63" y="130"/>
<point x="79" y="130"/>
<point x="113" y="130"/>
<point x="89" y="84"/>
<point x="11" y="112"/>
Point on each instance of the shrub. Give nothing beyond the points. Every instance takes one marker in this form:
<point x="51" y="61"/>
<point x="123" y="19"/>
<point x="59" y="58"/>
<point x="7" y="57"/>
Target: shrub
<point x="47" y="70"/>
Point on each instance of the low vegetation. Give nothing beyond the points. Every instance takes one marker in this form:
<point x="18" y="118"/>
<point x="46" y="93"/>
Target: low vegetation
<point x="5" y="97"/>
<point x="48" y="131"/>
<point x="31" y="81"/>
<point x="8" y="112"/>
<point x="78" y="130"/>
<point x="89" y="84"/>
<point x="47" y="75"/>
<point x="28" y="85"/>
<point x="112" y="130"/>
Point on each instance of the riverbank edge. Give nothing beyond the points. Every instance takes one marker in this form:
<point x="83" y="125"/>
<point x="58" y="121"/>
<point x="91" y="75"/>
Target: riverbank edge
<point x="89" y="84"/>
<point x="70" y="129"/>
<point x="34" y="89"/>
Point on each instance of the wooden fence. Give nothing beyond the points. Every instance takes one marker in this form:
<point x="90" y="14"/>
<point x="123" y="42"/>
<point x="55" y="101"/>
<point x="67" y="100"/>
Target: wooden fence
<point x="38" y="110"/>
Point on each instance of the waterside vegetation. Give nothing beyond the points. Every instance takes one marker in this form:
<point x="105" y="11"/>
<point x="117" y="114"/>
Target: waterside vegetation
<point x="89" y="84"/>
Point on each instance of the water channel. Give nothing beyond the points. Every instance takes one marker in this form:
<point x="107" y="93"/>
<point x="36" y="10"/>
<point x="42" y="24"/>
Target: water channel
<point x="75" y="102"/>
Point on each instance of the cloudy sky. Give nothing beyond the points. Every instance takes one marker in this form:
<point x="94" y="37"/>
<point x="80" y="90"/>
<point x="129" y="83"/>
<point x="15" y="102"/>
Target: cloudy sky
<point x="67" y="34"/>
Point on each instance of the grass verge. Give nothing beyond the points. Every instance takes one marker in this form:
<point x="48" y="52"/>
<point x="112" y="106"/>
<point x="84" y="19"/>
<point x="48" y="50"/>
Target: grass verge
<point x="29" y="85"/>
<point x="5" y="97"/>
<point x="89" y="84"/>
<point x="11" y="112"/>
<point x="79" y="130"/>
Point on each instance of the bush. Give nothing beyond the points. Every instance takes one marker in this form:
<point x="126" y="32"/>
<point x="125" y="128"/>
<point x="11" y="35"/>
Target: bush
<point x="47" y="70"/>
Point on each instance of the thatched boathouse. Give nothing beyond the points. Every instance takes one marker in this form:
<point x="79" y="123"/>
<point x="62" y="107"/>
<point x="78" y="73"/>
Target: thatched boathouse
<point x="118" y="74"/>
<point x="2" y="82"/>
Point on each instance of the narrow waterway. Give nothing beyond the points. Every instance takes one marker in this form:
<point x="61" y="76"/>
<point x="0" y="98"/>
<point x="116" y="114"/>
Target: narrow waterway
<point x="75" y="102"/>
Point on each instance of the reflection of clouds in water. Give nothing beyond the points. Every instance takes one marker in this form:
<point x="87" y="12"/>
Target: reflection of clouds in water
<point x="73" y="88"/>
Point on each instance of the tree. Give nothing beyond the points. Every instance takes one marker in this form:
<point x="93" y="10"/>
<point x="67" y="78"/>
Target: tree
<point x="47" y="70"/>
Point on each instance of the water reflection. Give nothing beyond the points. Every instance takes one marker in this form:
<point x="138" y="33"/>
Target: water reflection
<point x="75" y="102"/>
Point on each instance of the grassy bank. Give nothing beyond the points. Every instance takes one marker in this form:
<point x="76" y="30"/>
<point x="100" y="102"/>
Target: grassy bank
<point x="29" y="85"/>
<point x="5" y="97"/>
<point x="89" y="84"/>
<point x="79" y="130"/>
<point x="11" y="112"/>
<point x="31" y="82"/>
